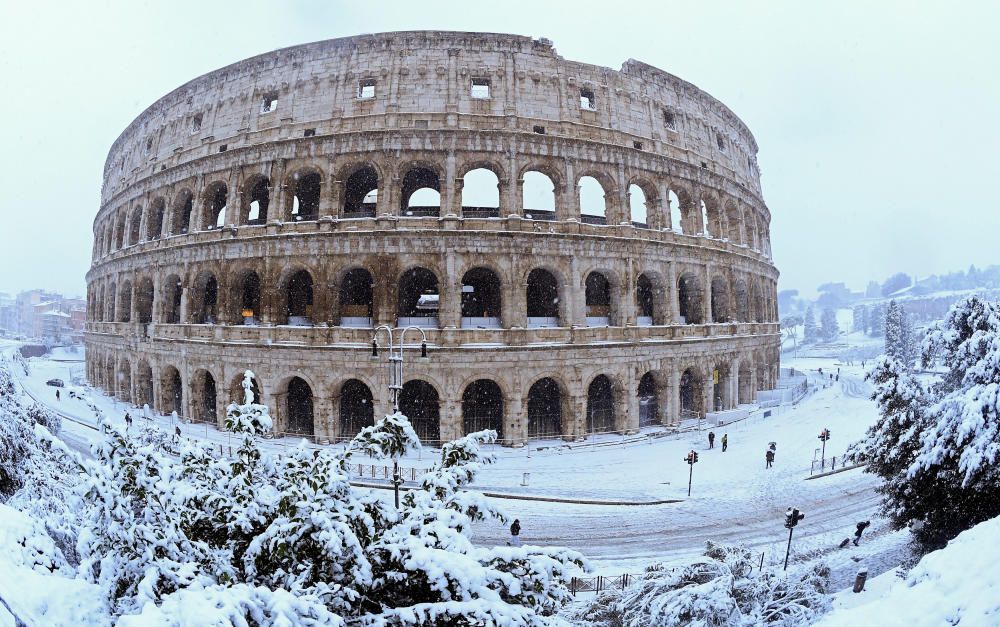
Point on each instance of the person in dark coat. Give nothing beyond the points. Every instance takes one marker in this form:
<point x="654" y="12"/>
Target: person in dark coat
<point x="860" y="530"/>
<point x="515" y="533"/>
<point x="725" y="442"/>
<point x="128" y="421"/>
<point x="769" y="456"/>
<point x="57" y="395"/>
<point x="711" y="439"/>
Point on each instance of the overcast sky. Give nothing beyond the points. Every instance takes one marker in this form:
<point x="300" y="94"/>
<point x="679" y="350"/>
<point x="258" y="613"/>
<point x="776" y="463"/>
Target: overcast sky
<point x="877" y="121"/>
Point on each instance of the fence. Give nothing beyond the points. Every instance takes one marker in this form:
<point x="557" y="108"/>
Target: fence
<point x="601" y="583"/>
<point x="374" y="471"/>
<point x="845" y="462"/>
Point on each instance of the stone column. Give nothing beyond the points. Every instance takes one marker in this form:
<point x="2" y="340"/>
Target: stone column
<point x="515" y="422"/>
<point x="185" y="305"/>
<point x="666" y="397"/>
<point x="706" y="300"/>
<point x="451" y="420"/>
<point x="708" y="391"/>
<point x="626" y="314"/>
<point x="630" y="420"/>
<point x="451" y="189"/>
<point x="673" y="295"/>
<point x="451" y="305"/>
<point x="322" y="418"/>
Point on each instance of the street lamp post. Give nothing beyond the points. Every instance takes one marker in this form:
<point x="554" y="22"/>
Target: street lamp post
<point x="396" y="379"/>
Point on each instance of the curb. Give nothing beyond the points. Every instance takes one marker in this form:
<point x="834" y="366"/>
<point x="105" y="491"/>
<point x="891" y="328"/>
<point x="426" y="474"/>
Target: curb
<point x="833" y="472"/>
<point x="531" y="497"/>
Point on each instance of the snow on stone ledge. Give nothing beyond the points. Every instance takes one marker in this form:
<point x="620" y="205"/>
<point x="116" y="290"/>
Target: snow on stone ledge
<point x="957" y="585"/>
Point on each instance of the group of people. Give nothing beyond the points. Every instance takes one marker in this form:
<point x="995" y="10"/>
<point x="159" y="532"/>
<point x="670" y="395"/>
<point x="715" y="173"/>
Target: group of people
<point x="725" y="440"/>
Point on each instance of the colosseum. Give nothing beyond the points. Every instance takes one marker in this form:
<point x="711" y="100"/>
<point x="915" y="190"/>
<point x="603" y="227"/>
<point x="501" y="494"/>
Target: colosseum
<point x="582" y="249"/>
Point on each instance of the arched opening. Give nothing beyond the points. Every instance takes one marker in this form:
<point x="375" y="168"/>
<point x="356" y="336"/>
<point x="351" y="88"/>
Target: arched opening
<point x="144" y="301"/>
<point x="637" y="206"/>
<point x="481" y="299"/>
<point x="173" y="293"/>
<point x="721" y="395"/>
<point x="645" y="301"/>
<point x="592" y="205"/>
<point x="418" y="298"/>
<point x="143" y="384"/>
<point x="238" y="396"/>
<point x="300" y="407"/>
<point x="183" y="206"/>
<point x="757" y="304"/>
<point x="110" y="313"/>
<point x="125" y="302"/>
<point x="356" y="301"/>
<point x="742" y="302"/>
<point x="155" y="223"/>
<point x="598" y="300"/>
<point x="216" y="199"/>
<point x="480" y="194"/>
<point x="538" y="196"/>
<point x="648" y="406"/>
<point x="357" y="408"/>
<point x="361" y="193"/>
<point x="306" y="193"/>
<point x="482" y="407"/>
<point x="689" y="297"/>
<point x="745" y="384"/>
<point x="542" y="294"/>
<point x="691" y="394"/>
<point x="600" y="405"/>
<point x="421" y="193"/>
<point x="173" y="391"/>
<point x="124" y="376"/>
<point x="544" y="409"/>
<point x="135" y="229"/>
<point x="205" y="305"/>
<point x="257" y="200"/>
<point x="299" y="299"/>
<point x="205" y="397"/>
<point x="418" y="401"/>
<point x="120" y="232"/>
<point x="703" y="219"/>
<point x="676" y="220"/>
<point x="248" y="296"/>
<point x="720" y="299"/>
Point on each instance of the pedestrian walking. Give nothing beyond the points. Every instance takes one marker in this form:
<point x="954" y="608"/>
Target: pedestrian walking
<point x="57" y="395"/>
<point x="860" y="530"/>
<point x="128" y="421"/>
<point x="177" y="432"/>
<point x="769" y="456"/>
<point x="725" y="442"/>
<point x="711" y="439"/>
<point x="515" y="533"/>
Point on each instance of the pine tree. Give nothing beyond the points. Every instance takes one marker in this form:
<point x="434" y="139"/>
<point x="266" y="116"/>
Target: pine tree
<point x="909" y="346"/>
<point x="829" y="330"/>
<point x="894" y="332"/>
<point x="877" y="319"/>
<point x="938" y="447"/>
<point x="811" y="332"/>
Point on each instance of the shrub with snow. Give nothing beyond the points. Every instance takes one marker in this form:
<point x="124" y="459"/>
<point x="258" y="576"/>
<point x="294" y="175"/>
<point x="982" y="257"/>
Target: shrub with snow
<point x="267" y="539"/>
<point x="718" y="590"/>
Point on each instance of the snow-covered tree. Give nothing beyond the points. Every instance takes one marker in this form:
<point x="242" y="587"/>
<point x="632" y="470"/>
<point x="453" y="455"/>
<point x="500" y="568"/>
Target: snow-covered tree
<point x="909" y="343"/>
<point x="876" y="318"/>
<point x="253" y="533"/>
<point x="938" y="446"/>
<point x="720" y="589"/>
<point x="829" y="330"/>
<point x="810" y="331"/>
<point x="894" y="331"/>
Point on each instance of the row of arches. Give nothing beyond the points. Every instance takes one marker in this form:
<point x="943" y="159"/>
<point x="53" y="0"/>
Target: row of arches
<point x="422" y="188"/>
<point x="549" y="407"/>
<point x="484" y="297"/>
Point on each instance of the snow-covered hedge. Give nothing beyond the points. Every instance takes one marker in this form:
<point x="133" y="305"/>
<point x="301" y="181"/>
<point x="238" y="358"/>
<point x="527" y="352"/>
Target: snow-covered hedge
<point x="720" y="590"/>
<point x="264" y="539"/>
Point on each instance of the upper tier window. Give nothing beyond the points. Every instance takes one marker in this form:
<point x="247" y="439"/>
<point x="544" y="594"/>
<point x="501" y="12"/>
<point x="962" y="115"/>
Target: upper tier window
<point x="481" y="88"/>
<point x="587" y="100"/>
<point x="269" y="102"/>
<point x="366" y="88"/>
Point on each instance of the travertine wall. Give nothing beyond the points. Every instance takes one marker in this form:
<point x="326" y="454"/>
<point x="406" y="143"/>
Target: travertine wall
<point x="157" y="242"/>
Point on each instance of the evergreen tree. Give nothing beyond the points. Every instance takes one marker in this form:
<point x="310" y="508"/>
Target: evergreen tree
<point x="909" y="350"/>
<point x="811" y="331"/>
<point x="877" y="321"/>
<point x="829" y="330"/>
<point x="894" y="331"/>
<point x="938" y="447"/>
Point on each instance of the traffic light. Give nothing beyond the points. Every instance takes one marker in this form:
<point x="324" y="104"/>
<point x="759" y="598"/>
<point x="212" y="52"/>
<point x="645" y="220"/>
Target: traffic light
<point x="824" y="435"/>
<point x="792" y="517"/>
<point x="691" y="457"/>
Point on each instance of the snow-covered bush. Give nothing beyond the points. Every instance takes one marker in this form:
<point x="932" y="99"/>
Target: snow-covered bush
<point x="249" y="417"/>
<point x="718" y="590"/>
<point x="24" y="541"/>
<point x="938" y="445"/>
<point x="243" y="531"/>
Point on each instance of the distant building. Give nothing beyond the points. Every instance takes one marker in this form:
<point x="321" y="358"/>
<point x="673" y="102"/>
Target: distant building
<point x="43" y="315"/>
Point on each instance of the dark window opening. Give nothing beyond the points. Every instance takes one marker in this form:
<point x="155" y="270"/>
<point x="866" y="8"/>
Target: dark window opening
<point x="587" y="99"/>
<point x="544" y="410"/>
<point x="173" y="392"/>
<point x="644" y="297"/>
<point x="260" y="198"/>
<point x="144" y="302"/>
<point x="357" y="408"/>
<point x="690" y="395"/>
<point x="206" y="300"/>
<point x="356" y="299"/>
<point x="223" y="147"/>
<point x="720" y="142"/>
<point x="600" y="405"/>
<point x="648" y="406"/>
<point x="418" y="298"/>
<point x="538" y="129"/>
<point x="419" y="402"/>
<point x="542" y="299"/>
<point x="208" y="399"/>
<point x="482" y="407"/>
<point x="172" y="313"/>
<point x="249" y="296"/>
<point x="182" y="214"/>
<point x="361" y="193"/>
<point x="299" y="294"/>
<point x="421" y="193"/>
<point x="269" y="102"/>
<point x="155" y="229"/>
<point x="670" y="120"/>
<point x="481" y="299"/>
<point x="598" y="299"/>
<point x="305" y="203"/>
<point x="689" y="300"/>
<point x="300" y="407"/>
<point x="309" y="132"/>
<point x="196" y="123"/>
<point x="217" y="198"/>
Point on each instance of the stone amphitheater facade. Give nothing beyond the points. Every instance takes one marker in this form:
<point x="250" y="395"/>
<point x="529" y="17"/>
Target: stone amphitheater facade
<point x="614" y="270"/>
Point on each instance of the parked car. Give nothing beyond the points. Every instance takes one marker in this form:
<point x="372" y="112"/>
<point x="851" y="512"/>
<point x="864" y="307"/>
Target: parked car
<point x="57" y="383"/>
